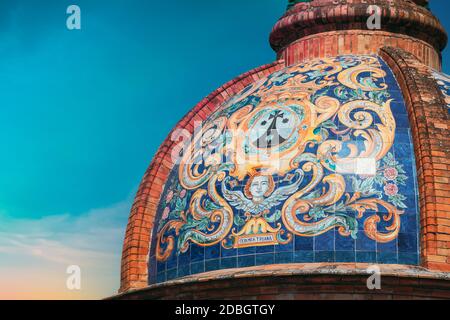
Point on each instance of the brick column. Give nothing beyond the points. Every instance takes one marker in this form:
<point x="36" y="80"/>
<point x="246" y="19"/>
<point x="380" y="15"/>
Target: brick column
<point x="430" y="125"/>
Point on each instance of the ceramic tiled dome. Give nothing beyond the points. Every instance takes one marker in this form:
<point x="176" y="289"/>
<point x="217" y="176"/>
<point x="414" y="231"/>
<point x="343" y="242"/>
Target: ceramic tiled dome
<point x="323" y="170"/>
<point x="327" y="161"/>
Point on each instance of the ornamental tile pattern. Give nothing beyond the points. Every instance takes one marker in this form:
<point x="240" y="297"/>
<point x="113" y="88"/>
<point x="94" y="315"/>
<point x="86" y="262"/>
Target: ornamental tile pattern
<point x="312" y="164"/>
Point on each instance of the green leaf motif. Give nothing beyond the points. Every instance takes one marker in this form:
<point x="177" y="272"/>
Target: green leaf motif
<point x="366" y="187"/>
<point x="313" y="195"/>
<point x="273" y="218"/>
<point x="211" y="206"/>
<point x="317" y="213"/>
<point x="181" y="204"/>
<point x="199" y="225"/>
<point x="397" y="201"/>
<point x="328" y="124"/>
<point x="238" y="220"/>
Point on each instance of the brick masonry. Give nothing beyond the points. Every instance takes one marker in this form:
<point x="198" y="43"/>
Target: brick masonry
<point x="336" y="43"/>
<point x="430" y="125"/>
<point x="321" y="16"/>
<point x="302" y="282"/>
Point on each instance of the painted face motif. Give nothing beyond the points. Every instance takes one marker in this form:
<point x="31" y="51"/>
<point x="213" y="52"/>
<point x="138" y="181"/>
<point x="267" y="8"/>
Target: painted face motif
<point x="259" y="187"/>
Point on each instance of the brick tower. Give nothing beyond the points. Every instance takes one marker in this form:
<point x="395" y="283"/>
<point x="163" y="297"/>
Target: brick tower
<point x="310" y="173"/>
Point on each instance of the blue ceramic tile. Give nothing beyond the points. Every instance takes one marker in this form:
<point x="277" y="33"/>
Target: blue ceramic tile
<point x="408" y="258"/>
<point x="184" y="271"/>
<point x="391" y="246"/>
<point x="361" y="225"/>
<point x="246" y="261"/>
<point x="246" y="251"/>
<point x="265" y="259"/>
<point x="411" y="206"/>
<point x="304" y="256"/>
<point x="288" y="247"/>
<point x="161" y="277"/>
<point x="402" y="151"/>
<point x="161" y="266"/>
<point x="197" y="253"/>
<point x="211" y="265"/>
<point x="366" y="256"/>
<point x="152" y="270"/>
<point x="407" y="242"/>
<point x="402" y="136"/>
<point x="172" y="263"/>
<point x="409" y="222"/>
<point x="284" y="257"/>
<point x="345" y="256"/>
<point x="304" y="243"/>
<point x="363" y="243"/>
<point x="344" y="243"/>
<point x="152" y="279"/>
<point x="229" y="253"/>
<point x="184" y="259"/>
<point x="212" y="252"/>
<point x="265" y="249"/>
<point x="324" y="256"/>
<point x="228" y="263"/>
<point x="152" y="264"/>
<point x="198" y="267"/>
<point x="172" y="274"/>
<point x="397" y="97"/>
<point x="324" y="242"/>
<point x="402" y="121"/>
<point x="387" y="257"/>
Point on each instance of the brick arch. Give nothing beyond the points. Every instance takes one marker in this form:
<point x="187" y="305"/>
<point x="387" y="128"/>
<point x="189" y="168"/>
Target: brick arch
<point x="134" y="266"/>
<point x="430" y="126"/>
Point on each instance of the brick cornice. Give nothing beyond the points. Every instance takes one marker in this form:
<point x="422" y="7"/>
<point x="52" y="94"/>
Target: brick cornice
<point x="430" y="126"/>
<point x="301" y="281"/>
<point x="334" y="43"/>
<point x="319" y="16"/>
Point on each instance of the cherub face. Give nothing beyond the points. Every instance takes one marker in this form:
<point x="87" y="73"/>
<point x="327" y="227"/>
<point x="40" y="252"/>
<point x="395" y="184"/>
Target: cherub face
<point x="259" y="186"/>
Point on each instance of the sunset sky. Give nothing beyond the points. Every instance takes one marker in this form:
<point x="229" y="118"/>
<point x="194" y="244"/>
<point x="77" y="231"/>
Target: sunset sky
<point x="83" y="112"/>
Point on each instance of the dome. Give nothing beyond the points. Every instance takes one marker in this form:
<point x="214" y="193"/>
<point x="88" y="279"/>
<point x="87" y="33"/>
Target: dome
<point x="313" y="163"/>
<point x="296" y="178"/>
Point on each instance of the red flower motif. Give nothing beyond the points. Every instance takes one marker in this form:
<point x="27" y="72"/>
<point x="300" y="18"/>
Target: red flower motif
<point x="391" y="189"/>
<point x="169" y="196"/>
<point x="183" y="194"/>
<point x="391" y="174"/>
<point x="166" y="213"/>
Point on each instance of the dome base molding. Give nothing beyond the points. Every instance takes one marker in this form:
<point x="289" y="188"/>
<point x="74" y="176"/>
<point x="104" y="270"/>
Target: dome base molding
<point x="301" y="282"/>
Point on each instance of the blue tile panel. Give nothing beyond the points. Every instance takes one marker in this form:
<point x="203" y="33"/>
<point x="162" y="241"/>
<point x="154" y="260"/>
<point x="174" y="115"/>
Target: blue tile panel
<point x="321" y="169"/>
<point x="443" y="82"/>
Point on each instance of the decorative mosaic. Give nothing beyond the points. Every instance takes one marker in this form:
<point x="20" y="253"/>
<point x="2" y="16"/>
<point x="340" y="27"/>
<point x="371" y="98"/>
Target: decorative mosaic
<point x="443" y="82"/>
<point x="311" y="164"/>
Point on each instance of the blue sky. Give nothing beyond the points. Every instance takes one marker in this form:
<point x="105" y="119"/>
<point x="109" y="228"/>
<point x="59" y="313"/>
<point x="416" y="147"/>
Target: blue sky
<point x="83" y="112"/>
